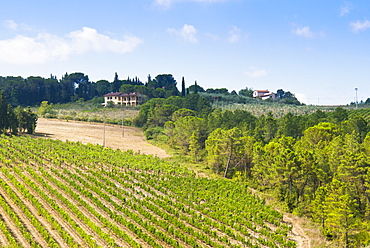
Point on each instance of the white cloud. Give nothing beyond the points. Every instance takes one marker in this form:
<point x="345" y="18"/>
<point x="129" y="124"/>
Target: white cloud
<point x="304" y="32"/>
<point x="168" y="3"/>
<point x="234" y="34"/>
<point x="359" y="26"/>
<point x="255" y="72"/>
<point x="345" y="8"/>
<point x="10" y="24"/>
<point x="47" y="47"/>
<point x="187" y="32"/>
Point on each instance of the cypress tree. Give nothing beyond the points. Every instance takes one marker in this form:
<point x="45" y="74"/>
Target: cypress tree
<point x="183" y="87"/>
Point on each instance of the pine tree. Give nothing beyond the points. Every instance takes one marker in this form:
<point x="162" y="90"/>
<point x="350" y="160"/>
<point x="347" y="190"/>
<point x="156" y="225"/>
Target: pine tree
<point x="341" y="212"/>
<point x="194" y="147"/>
<point x="318" y="206"/>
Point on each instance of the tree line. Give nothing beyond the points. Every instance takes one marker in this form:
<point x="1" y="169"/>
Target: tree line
<point x="32" y="91"/>
<point x="317" y="164"/>
<point x="76" y="86"/>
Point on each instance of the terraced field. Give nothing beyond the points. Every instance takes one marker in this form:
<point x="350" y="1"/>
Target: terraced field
<point x="66" y="194"/>
<point x="363" y="112"/>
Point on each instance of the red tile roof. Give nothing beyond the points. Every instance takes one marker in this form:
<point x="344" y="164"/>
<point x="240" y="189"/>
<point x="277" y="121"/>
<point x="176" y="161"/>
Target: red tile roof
<point x="121" y="94"/>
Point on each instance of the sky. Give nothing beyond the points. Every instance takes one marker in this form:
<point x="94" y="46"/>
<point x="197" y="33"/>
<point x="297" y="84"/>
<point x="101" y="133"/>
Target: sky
<point x="318" y="50"/>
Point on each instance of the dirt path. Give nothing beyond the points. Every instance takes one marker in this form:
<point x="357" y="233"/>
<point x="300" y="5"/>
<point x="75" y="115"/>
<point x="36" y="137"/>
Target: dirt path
<point x="297" y="234"/>
<point x="93" y="133"/>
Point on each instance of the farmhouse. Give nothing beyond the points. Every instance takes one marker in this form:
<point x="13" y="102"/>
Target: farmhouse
<point x="264" y="94"/>
<point x="124" y="99"/>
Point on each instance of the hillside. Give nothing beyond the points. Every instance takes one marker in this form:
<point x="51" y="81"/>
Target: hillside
<point x="68" y="194"/>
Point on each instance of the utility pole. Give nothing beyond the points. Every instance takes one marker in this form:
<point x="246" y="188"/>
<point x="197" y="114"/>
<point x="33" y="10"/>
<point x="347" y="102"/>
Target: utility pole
<point x="104" y="128"/>
<point x="356" y="98"/>
<point x="123" y="129"/>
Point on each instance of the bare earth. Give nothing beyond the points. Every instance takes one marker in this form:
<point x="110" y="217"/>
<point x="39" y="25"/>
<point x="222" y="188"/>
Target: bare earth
<point x="133" y="138"/>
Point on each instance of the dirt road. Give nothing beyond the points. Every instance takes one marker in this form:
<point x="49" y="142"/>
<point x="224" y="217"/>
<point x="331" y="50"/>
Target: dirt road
<point x="133" y="138"/>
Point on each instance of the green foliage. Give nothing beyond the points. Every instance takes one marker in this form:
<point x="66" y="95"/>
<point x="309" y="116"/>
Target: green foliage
<point x="46" y="108"/>
<point x="226" y="150"/>
<point x="182" y="113"/>
<point x="18" y="120"/>
<point x="153" y="132"/>
<point x="246" y="92"/>
<point x="181" y="131"/>
<point x="127" y="88"/>
<point x="322" y="132"/>
<point x="341" y="210"/>
<point x="27" y="120"/>
<point x="157" y="111"/>
<point x="195" y="88"/>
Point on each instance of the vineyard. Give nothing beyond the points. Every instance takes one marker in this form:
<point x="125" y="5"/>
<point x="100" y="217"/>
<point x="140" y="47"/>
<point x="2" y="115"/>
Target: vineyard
<point x="363" y="112"/>
<point x="66" y="194"/>
<point x="277" y="110"/>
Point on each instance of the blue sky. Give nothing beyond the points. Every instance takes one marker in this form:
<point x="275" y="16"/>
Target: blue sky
<point x="319" y="50"/>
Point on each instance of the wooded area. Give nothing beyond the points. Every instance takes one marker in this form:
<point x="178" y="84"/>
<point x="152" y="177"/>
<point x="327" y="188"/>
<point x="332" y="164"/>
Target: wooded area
<point x="317" y="164"/>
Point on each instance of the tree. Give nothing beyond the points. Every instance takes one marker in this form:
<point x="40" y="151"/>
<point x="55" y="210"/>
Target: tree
<point x="182" y="113"/>
<point x="278" y="167"/>
<point x="183" y="89"/>
<point x="3" y="112"/>
<point x="103" y="87"/>
<point x="339" y="115"/>
<point x="288" y="125"/>
<point x="27" y="120"/>
<point x="12" y="120"/>
<point x="322" y="132"/>
<point x="45" y="108"/>
<point x="269" y="127"/>
<point x="186" y="127"/>
<point x="116" y="84"/>
<point x="161" y="114"/>
<point x="246" y="92"/>
<point x="356" y="124"/>
<point x="126" y="88"/>
<point x="341" y="211"/>
<point x="318" y="206"/>
<point x="280" y="93"/>
<point x="195" y="88"/>
<point x="31" y="121"/>
<point x="194" y="146"/>
<point x="225" y="150"/>
<point x="165" y="82"/>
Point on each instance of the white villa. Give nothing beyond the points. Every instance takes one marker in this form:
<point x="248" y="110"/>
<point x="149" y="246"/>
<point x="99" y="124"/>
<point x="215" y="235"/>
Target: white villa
<point x="264" y="94"/>
<point x="124" y="99"/>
